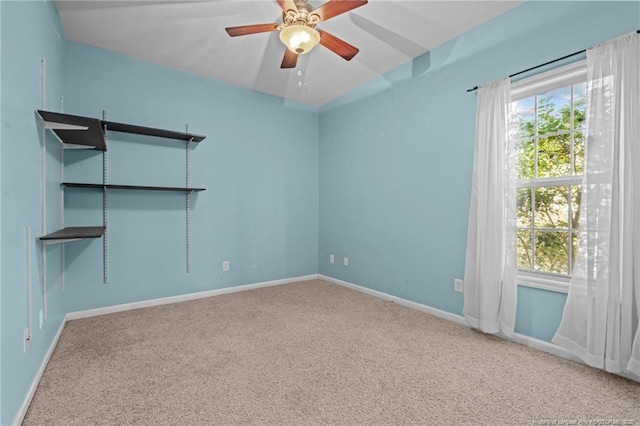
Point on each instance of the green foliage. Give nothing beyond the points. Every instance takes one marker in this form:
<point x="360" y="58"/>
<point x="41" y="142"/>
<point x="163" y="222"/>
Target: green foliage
<point x="546" y="152"/>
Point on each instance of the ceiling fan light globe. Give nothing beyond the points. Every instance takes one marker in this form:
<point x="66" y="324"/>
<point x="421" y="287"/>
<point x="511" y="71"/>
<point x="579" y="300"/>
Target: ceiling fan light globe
<point x="299" y="39"/>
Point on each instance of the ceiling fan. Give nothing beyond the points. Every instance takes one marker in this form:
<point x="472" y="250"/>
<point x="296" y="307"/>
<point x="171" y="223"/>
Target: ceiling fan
<point x="298" y="28"/>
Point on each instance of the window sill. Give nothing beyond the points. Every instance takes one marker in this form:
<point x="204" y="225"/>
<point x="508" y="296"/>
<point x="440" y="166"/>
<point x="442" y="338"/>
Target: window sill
<point x="544" y="282"/>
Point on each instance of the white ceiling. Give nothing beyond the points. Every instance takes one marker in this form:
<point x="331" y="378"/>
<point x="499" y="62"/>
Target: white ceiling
<point x="190" y="36"/>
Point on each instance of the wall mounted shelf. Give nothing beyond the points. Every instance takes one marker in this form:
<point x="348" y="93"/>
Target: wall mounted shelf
<point x="74" y="233"/>
<point x="135" y="187"/>
<point x="149" y="131"/>
<point x="77" y="132"/>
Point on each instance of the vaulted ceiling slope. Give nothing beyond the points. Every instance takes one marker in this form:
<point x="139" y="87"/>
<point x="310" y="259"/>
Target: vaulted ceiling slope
<point x="190" y="35"/>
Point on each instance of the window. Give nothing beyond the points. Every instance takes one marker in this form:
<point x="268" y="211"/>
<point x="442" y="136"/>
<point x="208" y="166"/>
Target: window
<point x="550" y="111"/>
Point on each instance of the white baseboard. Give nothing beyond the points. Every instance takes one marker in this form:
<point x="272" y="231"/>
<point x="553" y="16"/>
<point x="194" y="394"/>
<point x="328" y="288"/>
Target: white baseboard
<point x="531" y="342"/>
<point x="182" y="298"/>
<point x="542" y="345"/>
<point x="36" y="380"/>
<point x="400" y="301"/>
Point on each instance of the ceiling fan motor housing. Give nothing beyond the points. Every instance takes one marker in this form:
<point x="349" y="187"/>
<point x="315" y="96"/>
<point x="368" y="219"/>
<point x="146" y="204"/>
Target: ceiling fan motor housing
<point x="302" y="16"/>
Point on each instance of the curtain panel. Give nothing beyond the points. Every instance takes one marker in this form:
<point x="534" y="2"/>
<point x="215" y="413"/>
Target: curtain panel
<point x="490" y="267"/>
<point x="601" y="316"/>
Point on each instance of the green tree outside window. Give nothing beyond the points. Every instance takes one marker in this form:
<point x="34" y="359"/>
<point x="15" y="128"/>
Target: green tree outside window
<point x="551" y="146"/>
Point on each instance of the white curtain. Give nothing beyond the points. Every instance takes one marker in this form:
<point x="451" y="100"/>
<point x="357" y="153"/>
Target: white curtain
<point x="490" y="268"/>
<point x="600" y="319"/>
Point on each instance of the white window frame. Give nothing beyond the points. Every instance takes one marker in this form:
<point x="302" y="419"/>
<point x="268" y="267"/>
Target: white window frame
<point x="557" y="78"/>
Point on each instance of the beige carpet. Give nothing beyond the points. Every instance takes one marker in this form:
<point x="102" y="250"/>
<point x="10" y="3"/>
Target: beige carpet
<point x="310" y="353"/>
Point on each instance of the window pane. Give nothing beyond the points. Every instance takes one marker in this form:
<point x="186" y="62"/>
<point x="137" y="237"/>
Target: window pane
<point x="523" y="219"/>
<point x="525" y="110"/>
<point x="578" y="152"/>
<point x="551" y="143"/>
<point x="552" y="252"/>
<point x="552" y="207"/>
<point x="554" y="111"/>
<point x="576" y="194"/>
<point x="579" y="104"/>
<point x="554" y="156"/>
<point x="524" y="250"/>
<point x="526" y="159"/>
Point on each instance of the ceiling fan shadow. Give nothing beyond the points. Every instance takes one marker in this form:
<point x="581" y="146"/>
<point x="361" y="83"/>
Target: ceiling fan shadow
<point x="419" y="62"/>
<point x="389" y="83"/>
<point x="450" y="45"/>
<point x="395" y="40"/>
<point x="418" y="57"/>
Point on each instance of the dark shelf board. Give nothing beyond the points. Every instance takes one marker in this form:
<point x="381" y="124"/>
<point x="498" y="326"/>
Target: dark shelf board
<point x="136" y="187"/>
<point x="92" y="137"/>
<point x="150" y="131"/>
<point x="75" y="233"/>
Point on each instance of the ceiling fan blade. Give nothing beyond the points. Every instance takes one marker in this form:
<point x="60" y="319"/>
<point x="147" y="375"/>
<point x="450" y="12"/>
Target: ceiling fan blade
<point x="287" y="5"/>
<point x="251" y="29"/>
<point x="290" y="59"/>
<point x="337" y="7"/>
<point x="338" y="46"/>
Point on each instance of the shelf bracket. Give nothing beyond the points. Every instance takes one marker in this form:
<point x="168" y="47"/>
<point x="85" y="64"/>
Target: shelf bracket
<point x="62" y="251"/>
<point x="29" y="286"/>
<point x="43" y="172"/>
<point x="76" y="146"/>
<point x="49" y="242"/>
<point x="105" y="204"/>
<point x="188" y="199"/>
<point x="51" y="125"/>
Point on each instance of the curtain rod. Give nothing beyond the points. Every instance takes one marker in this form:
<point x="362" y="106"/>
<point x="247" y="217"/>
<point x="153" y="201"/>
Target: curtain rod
<point x="473" y="89"/>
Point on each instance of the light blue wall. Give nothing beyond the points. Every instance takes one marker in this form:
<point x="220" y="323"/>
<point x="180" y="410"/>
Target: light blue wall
<point x="30" y="31"/>
<point x="259" y="165"/>
<point x="539" y="312"/>
<point x="396" y="156"/>
<point x="1" y="126"/>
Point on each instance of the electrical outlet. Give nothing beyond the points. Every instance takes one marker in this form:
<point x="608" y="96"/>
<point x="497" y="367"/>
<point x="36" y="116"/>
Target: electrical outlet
<point x="458" y="285"/>
<point x="225" y="266"/>
<point x="346" y="261"/>
<point x="331" y="259"/>
<point x="25" y="340"/>
<point x="41" y="317"/>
